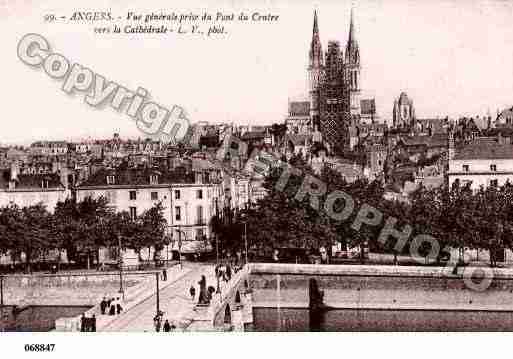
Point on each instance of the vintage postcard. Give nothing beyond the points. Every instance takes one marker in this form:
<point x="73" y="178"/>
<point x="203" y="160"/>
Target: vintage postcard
<point x="255" y="166"/>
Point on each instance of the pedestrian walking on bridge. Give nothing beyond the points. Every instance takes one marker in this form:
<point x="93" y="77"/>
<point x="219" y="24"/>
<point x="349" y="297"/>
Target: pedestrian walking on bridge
<point x="192" y="292"/>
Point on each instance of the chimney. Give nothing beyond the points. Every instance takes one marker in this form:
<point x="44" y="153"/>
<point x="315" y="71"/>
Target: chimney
<point x="451" y="145"/>
<point x="14" y="175"/>
<point x="15" y="169"/>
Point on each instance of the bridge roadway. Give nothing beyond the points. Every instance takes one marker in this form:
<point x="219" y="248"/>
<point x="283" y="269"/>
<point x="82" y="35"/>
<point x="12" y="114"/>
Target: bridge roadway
<point x="175" y="302"/>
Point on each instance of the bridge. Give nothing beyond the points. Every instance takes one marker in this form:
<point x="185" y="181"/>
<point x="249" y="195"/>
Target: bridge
<point x="266" y="285"/>
<point x="225" y="311"/>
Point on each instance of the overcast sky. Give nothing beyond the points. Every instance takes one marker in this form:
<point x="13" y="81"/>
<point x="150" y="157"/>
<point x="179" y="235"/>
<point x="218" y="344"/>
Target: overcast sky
<point x="451" y="57"/>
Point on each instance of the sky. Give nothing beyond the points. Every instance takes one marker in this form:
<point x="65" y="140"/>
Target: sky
<point x="452" y="58"/>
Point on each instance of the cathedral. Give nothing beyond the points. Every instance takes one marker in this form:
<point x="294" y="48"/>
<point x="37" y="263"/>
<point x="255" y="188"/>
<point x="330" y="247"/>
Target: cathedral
<point x="334" y="87"/>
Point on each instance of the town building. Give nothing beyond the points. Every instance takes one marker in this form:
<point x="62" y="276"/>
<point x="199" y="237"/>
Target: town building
<point x="49" y="148"/>
<point x="482" y="164"/>
<point x="26" y="190"/>
<point x="299" y="119"/>
<point x="189" y="203"/>
<point x="368" y="113"/>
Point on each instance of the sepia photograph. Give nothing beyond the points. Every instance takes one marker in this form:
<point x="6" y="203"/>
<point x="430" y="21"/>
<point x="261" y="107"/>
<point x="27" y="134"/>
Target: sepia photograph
<point x="250" y="167"/>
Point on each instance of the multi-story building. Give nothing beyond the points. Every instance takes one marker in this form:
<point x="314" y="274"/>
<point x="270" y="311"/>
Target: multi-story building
<point x="298" y="119"/>
<point x="49" y="148"/>
<point x="189" y="203"/>
<point x="481" y="164"/>
<point x="376" y="158"/>
<point x="30" y="189"/>
<point x="368" y="113"/>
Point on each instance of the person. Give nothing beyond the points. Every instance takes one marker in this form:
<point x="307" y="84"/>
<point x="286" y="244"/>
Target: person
<point x="118" y="306"/>
<point x="228" y="272"/>
<point x="192" y="292"/>
<point x="93" y="323"/>
<point x="157" y="322"/>
<point x="167" y="326"/>
<point x="211" y="290"/>
<point x="83" y="323"/>
<point x="203" y="291"/>
<point x="112" y="307"/>
<point x="164" y="274"/>
<point x="103" y="305"/>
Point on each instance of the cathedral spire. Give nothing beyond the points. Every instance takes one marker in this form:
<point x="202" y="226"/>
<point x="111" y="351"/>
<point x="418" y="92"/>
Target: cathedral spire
<point x="315" y="46"/>
<point x="315" y="25"/>
<point x="351" y="28"/>
<point x="352" y="51"/>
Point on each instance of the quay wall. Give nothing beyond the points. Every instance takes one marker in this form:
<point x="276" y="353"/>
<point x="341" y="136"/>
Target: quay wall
<point x="82" y="289"/>
<point x="380" y="287"/>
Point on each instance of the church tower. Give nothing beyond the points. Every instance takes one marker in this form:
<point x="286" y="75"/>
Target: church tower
<point x="352" y="66"/>
<point x="315" y="71"/>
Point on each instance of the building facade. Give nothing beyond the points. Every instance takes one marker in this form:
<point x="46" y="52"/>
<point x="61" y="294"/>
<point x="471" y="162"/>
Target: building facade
<point x="188" y="206"/>
<point x="479" y="164"/>
<point x="26" y="190"/>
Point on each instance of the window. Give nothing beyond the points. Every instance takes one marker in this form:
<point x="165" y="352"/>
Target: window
<point x="177" y="194"/>
<point x="199" y="194"/>
<point x="199" y="215"/>
<point x="494" y="183"/>
<point x="133" y="213"/>
<point x="154" y="179"/>
<point x="493" y="168"/>
<point x="465" y="168"/>
<point x="110" y="180"/>
<point x="178" y="215"/>
<point x="133" y="195"/>
<point x="154" y="196"/>
<point x="199" y="234"/>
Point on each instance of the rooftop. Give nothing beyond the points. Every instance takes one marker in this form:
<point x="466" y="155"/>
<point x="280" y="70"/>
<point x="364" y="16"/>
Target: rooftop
<point x="30" y="181"/>
<point x="138" y="176"/>
<point x="299" y="108"/>
<point x="477" y="151"/>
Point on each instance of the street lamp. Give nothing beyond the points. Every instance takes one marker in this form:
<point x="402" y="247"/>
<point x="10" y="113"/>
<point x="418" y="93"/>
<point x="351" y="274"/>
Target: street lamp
<point x="2" y="301"/>
<point x="120" y="260"/>
<point x="246" y="241"/>
<point x="218" y="289"/>
<point x="158" y="293"/>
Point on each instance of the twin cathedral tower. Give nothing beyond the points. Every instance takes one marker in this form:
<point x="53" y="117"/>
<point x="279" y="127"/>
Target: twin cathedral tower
<point x="334" y="87"/>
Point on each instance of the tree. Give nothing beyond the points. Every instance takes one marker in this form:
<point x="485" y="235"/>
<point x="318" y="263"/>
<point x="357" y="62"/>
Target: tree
<point x="36" y="235"/>
<point x="152" y="228"/>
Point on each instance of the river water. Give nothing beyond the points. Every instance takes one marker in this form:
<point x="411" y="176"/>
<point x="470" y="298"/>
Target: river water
<point x="36" y="318"/>
<point x="299" y="319"/>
